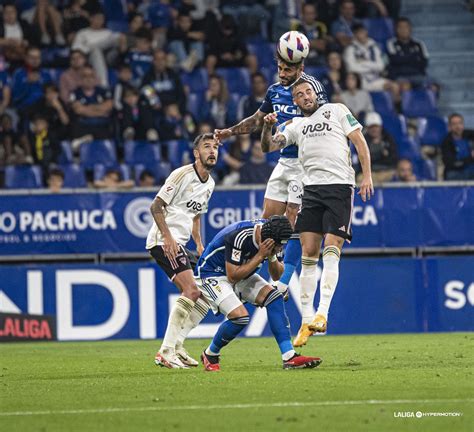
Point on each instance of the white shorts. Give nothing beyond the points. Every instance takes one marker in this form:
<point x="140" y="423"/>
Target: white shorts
<point x="225" y="297"/>
<point x="285" y="183"/>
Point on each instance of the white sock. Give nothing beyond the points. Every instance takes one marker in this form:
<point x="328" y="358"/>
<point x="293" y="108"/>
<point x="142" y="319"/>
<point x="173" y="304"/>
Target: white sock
<point x="282" y="287"/>
<point x="289" y="354"/>
<point x="200" y="309"/>
<point x="308" y="287"/>
<point x="329" y="278"/>
<point x="180" y="311"/>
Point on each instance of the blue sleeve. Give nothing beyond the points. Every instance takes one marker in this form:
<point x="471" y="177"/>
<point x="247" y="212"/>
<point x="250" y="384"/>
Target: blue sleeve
<point x="267" y="106"/>
<point x="19" y="90"/>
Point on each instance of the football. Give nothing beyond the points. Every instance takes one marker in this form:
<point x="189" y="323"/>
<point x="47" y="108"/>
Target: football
<point x="293" y="46"/>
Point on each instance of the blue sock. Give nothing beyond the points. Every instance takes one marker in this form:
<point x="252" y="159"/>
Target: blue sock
<point x="291" y="260"/>
<point x="278" y="320"/>
<point x="227" y="332"/>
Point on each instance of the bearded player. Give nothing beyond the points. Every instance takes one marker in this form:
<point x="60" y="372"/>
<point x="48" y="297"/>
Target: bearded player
<point x="284" y="188"/>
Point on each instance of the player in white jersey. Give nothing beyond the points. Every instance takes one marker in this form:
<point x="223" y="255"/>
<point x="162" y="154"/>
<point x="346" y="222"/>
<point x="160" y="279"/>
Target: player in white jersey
<point x="329" y="179"/>
<point x="176" y="211"/>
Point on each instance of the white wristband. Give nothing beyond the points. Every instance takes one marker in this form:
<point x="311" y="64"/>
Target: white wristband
<point x="272" y="258"/>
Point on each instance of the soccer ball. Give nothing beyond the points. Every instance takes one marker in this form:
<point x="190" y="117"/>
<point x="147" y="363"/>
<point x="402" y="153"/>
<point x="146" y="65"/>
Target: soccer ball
<point x="293" y="47"/>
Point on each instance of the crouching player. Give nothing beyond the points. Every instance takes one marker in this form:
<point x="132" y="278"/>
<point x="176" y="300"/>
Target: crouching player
<point x="226" y="275"/>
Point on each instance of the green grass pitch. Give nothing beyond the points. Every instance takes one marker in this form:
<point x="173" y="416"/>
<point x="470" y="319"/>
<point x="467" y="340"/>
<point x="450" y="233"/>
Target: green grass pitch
<point x="363" y="382"/>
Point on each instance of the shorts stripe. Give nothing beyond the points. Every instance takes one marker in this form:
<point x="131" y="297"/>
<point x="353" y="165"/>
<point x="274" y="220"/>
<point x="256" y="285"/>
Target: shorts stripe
<point x="209" y="290"/>
<point x="352" y="209"/>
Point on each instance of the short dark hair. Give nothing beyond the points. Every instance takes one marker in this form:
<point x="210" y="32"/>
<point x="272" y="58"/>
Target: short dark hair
<point x="144" y="33"/>
<point x="403" y="19"/>
<point x="145" y="173"/>
<point x="358" y="26"/>
<point x="202" y="137"/>
<point x="298" y="82"/>
<point x="56" y="172"/>
<point x="114" y="171"/>
<point x="455" y="115"/>
<point x="357" y="77"/>
<point x="278" y="57"/>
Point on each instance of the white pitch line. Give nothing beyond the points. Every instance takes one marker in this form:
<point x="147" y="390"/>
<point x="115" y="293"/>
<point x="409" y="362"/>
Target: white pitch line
<point x="233" y="406"/>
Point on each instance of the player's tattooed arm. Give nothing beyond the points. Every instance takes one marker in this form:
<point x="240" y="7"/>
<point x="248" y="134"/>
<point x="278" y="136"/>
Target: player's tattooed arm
<point x="158" y="211"/>
<point x="246" y="126"/>
<point x="271" y="143"/>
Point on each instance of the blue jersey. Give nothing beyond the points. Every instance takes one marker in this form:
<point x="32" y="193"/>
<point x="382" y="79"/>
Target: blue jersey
<point x="280" y="100"/>
<point x="235" y="244"/>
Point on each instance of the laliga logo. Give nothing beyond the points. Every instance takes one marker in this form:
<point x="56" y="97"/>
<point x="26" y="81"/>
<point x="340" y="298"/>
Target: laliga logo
<point x="137" y="217"/>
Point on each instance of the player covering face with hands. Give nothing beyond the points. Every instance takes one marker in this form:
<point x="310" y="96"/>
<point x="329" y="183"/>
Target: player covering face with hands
<point x="323" y="149"/>
<point x="226" y="274"/>
<point x="176" y="210"/>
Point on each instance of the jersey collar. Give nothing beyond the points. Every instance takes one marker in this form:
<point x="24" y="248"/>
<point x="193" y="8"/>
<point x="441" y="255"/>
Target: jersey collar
<point x="199" y="177"/>
<point x="254" y="234"/>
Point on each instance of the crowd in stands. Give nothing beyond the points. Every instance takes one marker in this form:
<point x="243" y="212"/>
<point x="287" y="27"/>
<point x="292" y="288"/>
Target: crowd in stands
<point x="109" y="94"/>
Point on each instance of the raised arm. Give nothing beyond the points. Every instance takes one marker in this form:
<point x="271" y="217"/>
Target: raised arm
<point x="271" y="143"/>
<point x="246" y="126"/>
<point x="366" y="187"/>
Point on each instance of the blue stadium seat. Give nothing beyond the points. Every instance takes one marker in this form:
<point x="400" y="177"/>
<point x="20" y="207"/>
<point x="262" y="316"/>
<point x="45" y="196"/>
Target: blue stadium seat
<point x="270" y="74"/>
<point x="141" y="152"/>
<point x="232" y="108"/>
<point x="160" y="170"/>
<point x="194" y="105"/>
<point x="197" y="80"/>
<point x="382" y="101"/>
<point x="408" y="148"/>
<point x="419" y="103"/>
<point x="265" y="53"/>
<point x="100" y="170"/>
<point x="425" y="169"/>
<point x="55" y="74"/>
<point x="74" y="176"/>
<point x="65" y="157"/>
<point x="432" y="130"/>
<point x="395" y="125"/>
<point x="238" y="79"/>
<point x="380" y="29"/>
<point x="112" y="76"/>
<point x="118" y="26"/>
<point x="177" y="150"/>
<point x="115" y="10"/>
<point x="98" y="152"/>
<point x="23" y="177"/>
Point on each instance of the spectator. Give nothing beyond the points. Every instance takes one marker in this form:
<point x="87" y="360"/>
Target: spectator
<point x="136" y="22"/>
<point x="174" y="125"/>
<point x="228" y="49"/>
<point x="364" y="57"/>
<point x="76" y="17"/>
<point x="257" y="170"/>
<point x="162" y="85"/>
<point x="124" y="75"/>
<point x="15" y="35"/>
<point x="341" y="29"/>
<point x="215" y="107"/>
<point x="335" y="78"/>
<point x="404" y="173"/>
<point x="92" y="106"/>
<point x="146" y="179"/>
<point x="248" y="105"/>
<point x="47" y="18"/>
<point x="186" y="43"/>
<point x="251" y="15"/>
<point x="408" y="57"/>
<point x="140" y="57"/>
<point x="12" y="149"/>
<point x="71" y="78"/>
<point x="373" y="8"/>
<point x="55" y="180"/>
<point x="5" y="91"/>
<point x="28" y="82"/>
<point x="317" y="34"/>
<point x="44" y="146"/>
<point x="383" y="149"/>
<point x="134" y="118"/>
<point x="113" y="180"/>
<point x="53" y="110"/>
<point x="159" y="14"/>
<point x="98" y="42"/>
<point x="357" y="100"/>
<point x="458" y="150"/>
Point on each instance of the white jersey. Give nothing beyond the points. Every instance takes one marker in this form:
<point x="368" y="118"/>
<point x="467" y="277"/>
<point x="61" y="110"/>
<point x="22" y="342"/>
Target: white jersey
<point x="186" y="196"/>
<point x="323" y="148"/>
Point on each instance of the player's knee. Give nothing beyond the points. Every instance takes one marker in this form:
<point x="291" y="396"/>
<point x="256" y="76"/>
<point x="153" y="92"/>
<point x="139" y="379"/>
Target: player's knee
<point x="192" y="292"/>
<point x="272" y="296"/>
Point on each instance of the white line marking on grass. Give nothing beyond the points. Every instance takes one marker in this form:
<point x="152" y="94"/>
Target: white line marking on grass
<point x="233" y="406"/>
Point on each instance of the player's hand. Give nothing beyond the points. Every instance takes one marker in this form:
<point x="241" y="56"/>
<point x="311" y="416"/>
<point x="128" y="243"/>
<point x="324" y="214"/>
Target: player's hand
<point x="222" y="134"/>
<point x="266" y="248"/>
<point x="170" y="247"/>
<point x="270" y="119"/>
<point x="366" y="190"/>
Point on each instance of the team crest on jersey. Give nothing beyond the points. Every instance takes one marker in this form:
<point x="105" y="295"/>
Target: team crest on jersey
<point x="236" y="254"/>
<point x="327" y="114"/>
<point x="183" y="260"/>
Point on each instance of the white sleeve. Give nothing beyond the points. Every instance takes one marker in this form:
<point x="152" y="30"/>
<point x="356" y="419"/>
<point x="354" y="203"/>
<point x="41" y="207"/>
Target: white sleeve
<point x="288" y="130"/>
<point x="346" y="119"/>
<point x="169" y="190"/>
